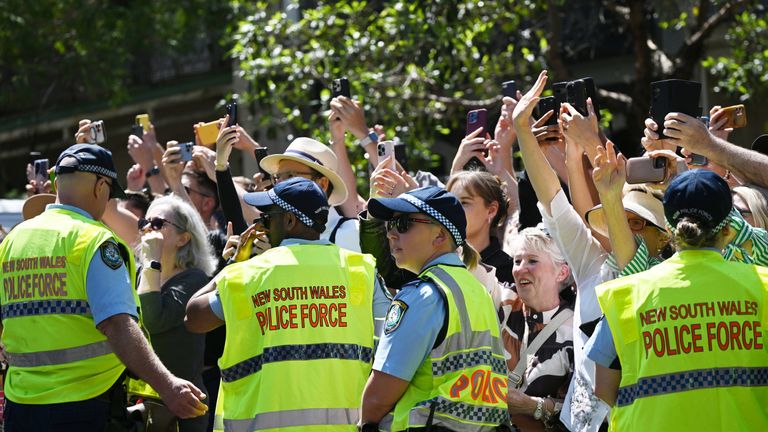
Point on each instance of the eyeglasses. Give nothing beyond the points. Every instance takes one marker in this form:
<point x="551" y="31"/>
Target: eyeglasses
<point x="636" y="224"/>
<point x="266" y="218"/>
<point x="743" y="211"/>
<point x="156" y="223"/>
<point x="290" y="174"/>
<point x="403" y="223"/>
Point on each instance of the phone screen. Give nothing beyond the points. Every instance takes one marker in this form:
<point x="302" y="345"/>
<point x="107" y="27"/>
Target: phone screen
<point x="260" y="153"/>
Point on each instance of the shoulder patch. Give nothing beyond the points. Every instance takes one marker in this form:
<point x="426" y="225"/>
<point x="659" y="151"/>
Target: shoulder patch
<point x="394" y="316"/>
<point x="110" y="254"/>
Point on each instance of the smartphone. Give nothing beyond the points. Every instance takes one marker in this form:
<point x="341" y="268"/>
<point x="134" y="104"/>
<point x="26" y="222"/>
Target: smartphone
<point x="231" y="109"/>
<point x="138" y="131"/>
<point x="143" y="121"/>
<point x="385" y="149"/>
<point x="340" y="87"/>
<point x="646" y="169"/>
<point x="560" y="92"/>
<point x="545" y="104"/>
<point x="208" y="132"/>
<point x="400" y="154"/>
<point x="260" y="153"/>
<point x="509" y="89"/>
<point x="186" y="151"/>
<point x="737" y="116"/>
<point x="41" y="172"/>
<point x="477" y="119"/>
<point x="98" y="133"/>
<point x="591" y="90"/>
<point x="577" y="96"/>
<point x="674" y="95"/>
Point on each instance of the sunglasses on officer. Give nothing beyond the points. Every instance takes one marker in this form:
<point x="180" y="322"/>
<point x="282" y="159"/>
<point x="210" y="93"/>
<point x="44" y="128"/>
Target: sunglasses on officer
<point x="266" y="218"/>
<point x="156" y="224"/>
<point x="402" y="223"/>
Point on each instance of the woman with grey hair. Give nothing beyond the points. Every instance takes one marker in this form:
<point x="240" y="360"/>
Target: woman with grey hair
<point x="538" y="309"/>
<point x="177" y="260"/>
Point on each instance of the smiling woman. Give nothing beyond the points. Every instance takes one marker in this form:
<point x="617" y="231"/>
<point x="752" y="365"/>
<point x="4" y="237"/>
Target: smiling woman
<point x="541" y="276"/>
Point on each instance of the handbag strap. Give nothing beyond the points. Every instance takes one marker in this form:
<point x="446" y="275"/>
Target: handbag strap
<point x="516" y="376"/>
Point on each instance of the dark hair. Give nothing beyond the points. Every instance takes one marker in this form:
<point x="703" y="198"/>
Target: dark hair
<point x="205" y="185"/>
<point x="690" y="232"/>
<point x="486" y="186"/>
<point x="318" y="175"/>
<point x="138" y="200"/>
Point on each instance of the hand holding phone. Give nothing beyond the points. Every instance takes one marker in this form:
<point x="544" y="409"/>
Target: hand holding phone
<point x="736" y="115"/>
<point x="138" y="131"/>
<point x="546" y="104"/>
<point x="674" y="95"/>
<point x="41" y="174"/>
<point x="143" y="121"/>
<point x="98" y="133"/>
<point x="340" y="87"/>
<point x="260" y="153"/>
<point x="231" y="109"/>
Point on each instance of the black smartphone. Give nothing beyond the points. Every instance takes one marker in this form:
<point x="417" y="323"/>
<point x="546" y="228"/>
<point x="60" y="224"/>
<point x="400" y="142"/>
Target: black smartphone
<point x="560" y="92"/>
<point x="41" y="172"/>
<point x="400" y="155"/>
<point x="340" y="87"/>
<point x="260" y="153"/>
<point x="545" y="104"/>
<point x="509" y="89"/>
<point x="577" y="96"/>
<point x="674" y="95"/>
<point x="231" y="109"/>
<point x="137" y="130"/>
<point x="589" y="86"/>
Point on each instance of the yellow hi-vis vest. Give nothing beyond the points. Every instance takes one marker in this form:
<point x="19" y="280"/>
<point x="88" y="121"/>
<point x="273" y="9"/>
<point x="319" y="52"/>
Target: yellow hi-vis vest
<point x="56" y="354"/>
<point x="462" y="385"/>
<point x="693" y="345"/>
<point x="299" y="343"/>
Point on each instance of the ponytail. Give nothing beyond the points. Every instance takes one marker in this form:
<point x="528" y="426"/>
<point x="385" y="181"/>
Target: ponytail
<point x="469" y="256"/>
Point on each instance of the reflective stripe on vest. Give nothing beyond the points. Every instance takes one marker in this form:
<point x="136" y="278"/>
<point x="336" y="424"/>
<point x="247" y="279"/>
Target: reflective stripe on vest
<point x="299" y="417"/>
<point x="296" y="352"/>
<point x="692" y="380"/>
<point x="46" y="307"/>
<point x="61" y="356"/>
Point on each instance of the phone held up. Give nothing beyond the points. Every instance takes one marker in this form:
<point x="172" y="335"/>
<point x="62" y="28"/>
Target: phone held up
<point x="260" y="153"/>
<point x="340" y="87"/>
<point x="736" y="115"/>
<point x="143" y="121"/>
<point x="207" y="133"/>
<point x="509" y="89"/>
<point x="646" y="169"/>
<point x="477" y="119"/>
<point x="674" y="95"/>
<point x="97" y="133"/>
<point x="231" y="109"/>
<point x="386" y="149"/>
<point x="40" y="173"/>
<point x="186" y="151"/>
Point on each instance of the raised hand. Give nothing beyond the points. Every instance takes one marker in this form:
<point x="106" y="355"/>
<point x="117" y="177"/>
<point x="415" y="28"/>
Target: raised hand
<point x="473" y="145"/>
<point x="135" y="178"/>
<point x="610" y="171"/>
<point x="524" y="108"/>
<point x="389" y="183"/>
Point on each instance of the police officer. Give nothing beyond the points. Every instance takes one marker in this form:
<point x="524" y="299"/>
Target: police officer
<point x="300" y="327"/>
<point x="69" y="310"/>
<point x="439" y="364"/>
<point x="683" y="346"/>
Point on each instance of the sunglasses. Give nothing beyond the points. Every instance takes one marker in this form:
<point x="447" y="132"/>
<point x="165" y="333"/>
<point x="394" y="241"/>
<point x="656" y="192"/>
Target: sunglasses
<point x="266" y="218"/>
<point x="403" y="223"/>
<point x="156" y="223"/>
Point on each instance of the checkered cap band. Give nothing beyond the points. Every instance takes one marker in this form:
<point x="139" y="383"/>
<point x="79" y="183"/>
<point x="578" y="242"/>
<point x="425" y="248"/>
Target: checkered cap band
<point x="426" y="208"/>
<point x="692" y="380"/>
<point x="296" y="352"/>
<point x="97" y="170"/>
<point x="46" y="307"/>
<point x="714" y="230"/>
<point x="287" y="207"/>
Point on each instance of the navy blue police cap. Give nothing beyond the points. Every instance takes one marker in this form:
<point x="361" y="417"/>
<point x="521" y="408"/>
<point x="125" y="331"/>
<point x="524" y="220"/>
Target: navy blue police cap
<point x="90" y="158"/>
<point x="297" y="195"/>
<point x="434" y="201"/>
<point x="701" y="195"/>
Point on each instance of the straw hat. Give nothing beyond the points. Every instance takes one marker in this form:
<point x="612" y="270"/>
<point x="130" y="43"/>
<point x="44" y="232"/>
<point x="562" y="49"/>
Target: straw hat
<point x="639" y="202"/>
<point x="315" y="155"/>
<point x="35" y="205"/>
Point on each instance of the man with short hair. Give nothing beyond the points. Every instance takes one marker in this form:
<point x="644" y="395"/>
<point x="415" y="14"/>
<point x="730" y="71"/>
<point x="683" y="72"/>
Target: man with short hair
<point x="315" y="161"/>
<point x="300" y="327"/>
<point x="70" y="311"/>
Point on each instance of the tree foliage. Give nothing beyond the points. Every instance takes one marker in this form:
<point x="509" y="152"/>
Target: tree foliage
<point x="59" y="52"/>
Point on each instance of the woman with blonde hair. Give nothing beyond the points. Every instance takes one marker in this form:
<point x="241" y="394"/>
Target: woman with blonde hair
<point x="750" y="201"/>
<point x="177" y="260"/>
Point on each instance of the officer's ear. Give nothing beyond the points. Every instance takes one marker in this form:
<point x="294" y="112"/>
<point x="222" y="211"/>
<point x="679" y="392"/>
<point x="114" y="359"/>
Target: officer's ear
<point x="183" y="239"/>
<point x="289" y="221"/>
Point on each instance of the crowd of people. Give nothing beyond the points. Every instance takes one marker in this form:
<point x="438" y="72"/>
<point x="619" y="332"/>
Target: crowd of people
<point x="558" y="298"/>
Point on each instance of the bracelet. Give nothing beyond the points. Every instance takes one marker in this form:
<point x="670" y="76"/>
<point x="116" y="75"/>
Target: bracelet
<point x="154" y="171"/>
<point x="372" y="137"/>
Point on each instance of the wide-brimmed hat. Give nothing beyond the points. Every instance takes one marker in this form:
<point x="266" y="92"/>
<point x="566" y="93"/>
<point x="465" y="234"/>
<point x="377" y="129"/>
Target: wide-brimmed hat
<point x="36" y="204"/>
<point x="315" y="155"/>
<point x="438" y="203"/>
<point x="639" y="202"/>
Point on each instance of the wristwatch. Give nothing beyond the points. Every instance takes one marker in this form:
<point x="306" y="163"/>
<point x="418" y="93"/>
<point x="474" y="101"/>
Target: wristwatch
<point x="154" y="171"/>
<point x="155" y="265"/>
<point x="539" y="409"/>
<point x="372" y="137"/>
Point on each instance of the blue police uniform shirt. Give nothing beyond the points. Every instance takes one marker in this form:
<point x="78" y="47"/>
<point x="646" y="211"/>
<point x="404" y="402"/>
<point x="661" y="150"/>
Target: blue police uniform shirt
<point x="109" y="290"/>
<point x="404" y="348"/>
<point x="381" y="298"/>
<point x="600" y="347"/>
